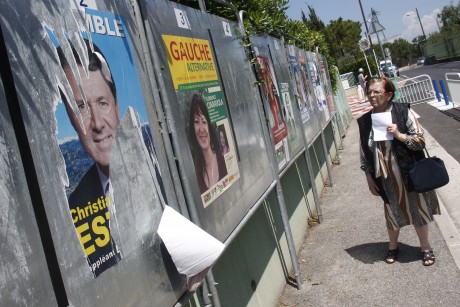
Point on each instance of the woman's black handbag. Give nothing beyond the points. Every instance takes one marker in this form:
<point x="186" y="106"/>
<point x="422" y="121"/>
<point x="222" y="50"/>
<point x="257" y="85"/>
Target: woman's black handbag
<point x="428" y="174"/>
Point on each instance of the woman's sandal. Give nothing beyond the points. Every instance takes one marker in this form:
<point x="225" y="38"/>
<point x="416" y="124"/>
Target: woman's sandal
<point x="428" y="256"/>
<point x="392" y="256"/>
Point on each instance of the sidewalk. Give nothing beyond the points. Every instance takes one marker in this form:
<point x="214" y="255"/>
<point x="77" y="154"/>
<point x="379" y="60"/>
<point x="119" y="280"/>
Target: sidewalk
<point x="341" y="258"/>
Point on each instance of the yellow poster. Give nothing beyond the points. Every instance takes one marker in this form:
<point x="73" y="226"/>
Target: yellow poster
<point x="190" y="61"/>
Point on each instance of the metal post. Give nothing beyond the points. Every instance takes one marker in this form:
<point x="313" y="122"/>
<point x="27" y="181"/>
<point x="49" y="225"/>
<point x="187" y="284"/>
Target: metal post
<point x="202" y="5"/>
<point x="283" y="212"/>
<point x="310" y="167"/>
<point x="377" y="63"/>
<point x="159" y="88"/>
<point x="333" y="125"/>
<point x="436" y="89"/>
<point x="269" y="141"/>
<point x="367" y="33"/>
<point x="313" y="184"/>
<point x="367" y="63"/>
<point x="421" y="26"/>
<point x="444" y="91"/>
<point x="166" y="153"/>
<point x="328" y="163"/>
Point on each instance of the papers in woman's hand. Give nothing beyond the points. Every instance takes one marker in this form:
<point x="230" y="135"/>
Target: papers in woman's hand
<point x="380" y="122"/>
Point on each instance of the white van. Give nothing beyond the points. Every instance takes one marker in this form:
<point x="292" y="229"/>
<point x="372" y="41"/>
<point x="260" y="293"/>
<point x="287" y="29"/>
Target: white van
<point x="388" y="69"/>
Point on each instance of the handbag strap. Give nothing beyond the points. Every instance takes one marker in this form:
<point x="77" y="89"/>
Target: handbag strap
<point x="426" y="151"/>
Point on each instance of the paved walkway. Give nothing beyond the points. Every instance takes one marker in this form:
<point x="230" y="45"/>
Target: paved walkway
<point x="341" y="258"/>
<point x="357" y="106"/>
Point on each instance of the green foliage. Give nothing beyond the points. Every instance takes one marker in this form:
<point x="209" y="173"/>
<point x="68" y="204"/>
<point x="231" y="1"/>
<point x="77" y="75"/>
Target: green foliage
<point x="403" y="52"/>
<point x="449" y="24"/>
<point x="344" y="36"/>
<point x="360" y="63"/>
<point x="450" y="17"/>
<point x="313" y="22"/>
<point x="340" y="37"/>
<point x="269" y="17"/>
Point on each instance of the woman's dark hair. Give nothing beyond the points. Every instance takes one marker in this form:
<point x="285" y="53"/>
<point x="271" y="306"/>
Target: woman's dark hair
<point x="388" y="85"/>
<point x="198" y="106"/>
<point x="222" y="129"/>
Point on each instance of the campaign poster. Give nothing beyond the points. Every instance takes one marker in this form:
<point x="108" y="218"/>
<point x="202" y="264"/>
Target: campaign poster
<point x="318" y="88"/>
<point x="310" y="99"/>
<point x="287" y="105"/>
<point x="99" y="94"/>
<point x="328" y="89"/>
<point x="203" y="109"/>
<point x="299" y="88"/>
<point x="271" y="99"/>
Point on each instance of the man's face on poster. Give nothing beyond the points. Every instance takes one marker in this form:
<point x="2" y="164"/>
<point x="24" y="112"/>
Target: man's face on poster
<point x="100" y="115"/>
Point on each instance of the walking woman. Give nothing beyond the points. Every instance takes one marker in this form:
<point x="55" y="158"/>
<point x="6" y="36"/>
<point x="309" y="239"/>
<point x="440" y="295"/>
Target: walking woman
<point x="386" y="165"/>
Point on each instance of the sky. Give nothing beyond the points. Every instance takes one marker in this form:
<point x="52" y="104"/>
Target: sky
<point x="398" y="17"/>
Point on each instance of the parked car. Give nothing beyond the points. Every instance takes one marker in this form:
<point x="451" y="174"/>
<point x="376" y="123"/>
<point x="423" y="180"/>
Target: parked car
<point x="421" y="60"/>
<point x="390" y="71"/>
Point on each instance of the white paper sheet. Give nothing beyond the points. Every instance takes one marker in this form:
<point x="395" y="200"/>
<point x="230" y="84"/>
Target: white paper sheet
<point x="192" y="250"/>
<point x="380" y="122"/>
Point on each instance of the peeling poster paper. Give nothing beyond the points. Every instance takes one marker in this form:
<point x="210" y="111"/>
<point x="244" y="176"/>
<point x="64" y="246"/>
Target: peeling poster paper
<point x="192" y="250"/>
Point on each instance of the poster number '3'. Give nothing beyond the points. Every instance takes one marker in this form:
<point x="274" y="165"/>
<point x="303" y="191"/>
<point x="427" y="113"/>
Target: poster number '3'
<point x="182" y="20"/>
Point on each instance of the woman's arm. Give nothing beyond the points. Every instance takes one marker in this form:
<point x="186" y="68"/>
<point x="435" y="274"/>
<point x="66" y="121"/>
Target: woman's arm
<point x="414" y="139"/>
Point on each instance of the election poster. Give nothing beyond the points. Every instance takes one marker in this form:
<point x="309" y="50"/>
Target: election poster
<point x="203" y="109"/>
<point x="272" y="103"/>
<point x="327" y="87"/>
<point x="318" y="86"/>
<point x="299" y="88"/>
<point x="309" y="97"/>
<point x="287" y="105"/>
<point x="99" y="93"/>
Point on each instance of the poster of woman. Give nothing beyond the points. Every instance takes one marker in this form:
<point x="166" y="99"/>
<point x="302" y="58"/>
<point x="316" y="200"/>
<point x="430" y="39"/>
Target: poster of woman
<point x="204" y="112"/>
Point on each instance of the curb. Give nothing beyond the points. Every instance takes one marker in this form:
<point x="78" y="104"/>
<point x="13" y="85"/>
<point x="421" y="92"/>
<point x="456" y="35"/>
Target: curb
<point x="449" y="232"/>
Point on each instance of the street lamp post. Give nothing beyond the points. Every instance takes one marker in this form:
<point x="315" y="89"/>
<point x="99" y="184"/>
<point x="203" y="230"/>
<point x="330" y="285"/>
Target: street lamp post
<point x="423" y="31"/>
<point x="421" y="26"/>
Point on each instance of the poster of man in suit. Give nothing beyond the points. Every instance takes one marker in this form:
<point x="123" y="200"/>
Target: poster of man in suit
<point x="104" y="91"/>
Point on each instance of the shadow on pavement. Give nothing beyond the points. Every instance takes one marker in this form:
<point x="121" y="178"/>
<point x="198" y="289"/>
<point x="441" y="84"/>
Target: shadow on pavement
<point x="371" y="253"/>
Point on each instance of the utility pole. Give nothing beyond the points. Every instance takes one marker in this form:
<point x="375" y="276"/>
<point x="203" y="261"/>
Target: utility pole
<point x="423" y="31"/>
<point x="421" y="26"/>
<point x="368" y="35"/>
<point x="375" y="18"/>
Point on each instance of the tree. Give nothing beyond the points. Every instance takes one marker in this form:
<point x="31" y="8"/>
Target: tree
<point x="450" y="17"/>
<point x="313" y="21"/>
<point x="403" y="52"/>
<point x="345" y="36"/>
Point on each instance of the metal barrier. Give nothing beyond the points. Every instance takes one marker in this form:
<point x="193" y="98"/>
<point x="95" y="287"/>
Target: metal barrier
<point x="416" y="90"/>
<point x="348" y="80"/>
<point x="453" y="85"/>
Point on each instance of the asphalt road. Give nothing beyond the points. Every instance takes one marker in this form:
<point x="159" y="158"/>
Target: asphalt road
<point x="443" y="128"/>
<point x="435" y="71"/>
